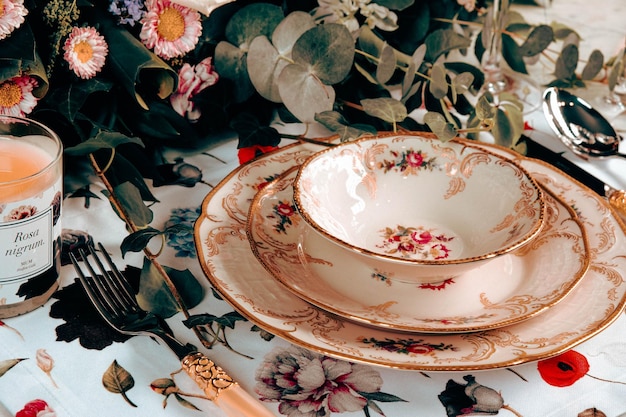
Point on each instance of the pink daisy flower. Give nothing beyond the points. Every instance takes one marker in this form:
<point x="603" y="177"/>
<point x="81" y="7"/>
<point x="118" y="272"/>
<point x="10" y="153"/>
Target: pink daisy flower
<point x="16" y="96"/>
<point x="12" y="14"/>
<point x="171" y="30"/>
<point x="85" y="51"/>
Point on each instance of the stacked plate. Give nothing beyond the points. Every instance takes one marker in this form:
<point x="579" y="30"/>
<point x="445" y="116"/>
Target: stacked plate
<point x="557" y="291"/>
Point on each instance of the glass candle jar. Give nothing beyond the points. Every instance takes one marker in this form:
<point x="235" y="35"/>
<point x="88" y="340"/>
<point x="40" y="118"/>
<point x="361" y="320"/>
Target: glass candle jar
<point x="30" y="214"/>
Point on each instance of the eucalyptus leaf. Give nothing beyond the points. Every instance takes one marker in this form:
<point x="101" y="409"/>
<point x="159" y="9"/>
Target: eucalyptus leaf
<point x="103" y="140"/>
<point x="388" y="109"/>
<point x="439" y="126"/>
<point x="289" y="31"/>
<point x="264" y="66"/>
<point x="327" y="50"/>
<point x="538" y="40"/>
<point x="463" y="82"/>
<point x="155" y="296"/>
<point x="336" y="123"/>
<point x="484" y="109"/>
<point x="442" y="41"/>
<point x="256" y="19"/>
<point x="512" y="54"/>
<point x="438" y="86"/>
<point x="303" y="93"/>
<point x="567" y="62"/>
<point x="508" y="125"/>
<point x="617" y="70"/>
<point x="137" y="241"/>
<point x="386" y="65"/>
<point x="230" y="63"/>
<point x="407" y="80"/>
<point x="593" y="66"/>
<point x="130" y="198"/>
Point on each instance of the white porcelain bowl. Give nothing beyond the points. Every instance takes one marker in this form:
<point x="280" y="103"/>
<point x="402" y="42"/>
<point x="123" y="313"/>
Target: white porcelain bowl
<point x="417" y="208"/>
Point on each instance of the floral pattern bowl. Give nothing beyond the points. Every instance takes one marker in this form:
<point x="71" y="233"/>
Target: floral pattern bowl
<point x="417" y="209"/>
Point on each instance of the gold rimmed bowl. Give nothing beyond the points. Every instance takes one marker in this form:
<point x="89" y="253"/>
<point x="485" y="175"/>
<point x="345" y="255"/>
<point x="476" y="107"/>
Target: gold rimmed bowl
<point x="416" y="208"/>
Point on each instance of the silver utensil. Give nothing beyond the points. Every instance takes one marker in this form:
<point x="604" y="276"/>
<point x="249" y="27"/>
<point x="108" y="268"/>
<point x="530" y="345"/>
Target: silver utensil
<point x="579" y="126"/>
<point x="616" y="198"/>
<point x="113" y="297"/>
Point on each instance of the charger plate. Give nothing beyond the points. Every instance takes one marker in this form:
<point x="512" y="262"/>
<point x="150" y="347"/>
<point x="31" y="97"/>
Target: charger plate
<point x="229" y="264"/>
<point x="507" y="290"/>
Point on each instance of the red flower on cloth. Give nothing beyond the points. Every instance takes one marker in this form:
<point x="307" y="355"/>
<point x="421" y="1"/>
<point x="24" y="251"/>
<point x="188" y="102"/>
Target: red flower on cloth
<point x="563" y="370"/>
<point x="36" y="408"/>
<point x="248" y="153"/>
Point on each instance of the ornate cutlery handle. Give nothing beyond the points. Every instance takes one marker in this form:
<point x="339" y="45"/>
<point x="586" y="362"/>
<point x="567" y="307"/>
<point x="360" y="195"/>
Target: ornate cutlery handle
<point x="221" y="388"/>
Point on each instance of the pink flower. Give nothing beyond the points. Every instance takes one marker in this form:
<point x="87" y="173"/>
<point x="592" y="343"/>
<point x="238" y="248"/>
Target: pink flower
<point x="191" y="81"/>
<point x="16" y="96"/>
<point x="414" y="159"/>
<point x="311" y="385"/>
<point x="170" y="29"/>
<point x="85" y="51"/>
<point x="422" y="238"/>
<point x="12" y="13"/>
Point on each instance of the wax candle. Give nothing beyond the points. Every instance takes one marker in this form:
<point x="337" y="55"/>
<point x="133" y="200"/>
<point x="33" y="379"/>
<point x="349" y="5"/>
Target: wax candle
<point x="30" y="211"/>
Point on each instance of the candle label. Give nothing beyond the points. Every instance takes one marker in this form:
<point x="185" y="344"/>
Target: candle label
<point x="30" y="230"/>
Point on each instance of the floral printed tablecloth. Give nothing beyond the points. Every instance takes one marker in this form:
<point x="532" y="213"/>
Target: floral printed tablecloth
<point x="61" y="360"/>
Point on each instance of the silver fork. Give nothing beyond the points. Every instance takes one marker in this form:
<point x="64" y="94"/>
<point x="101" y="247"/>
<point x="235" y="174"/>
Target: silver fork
<point x="114" y="299"/>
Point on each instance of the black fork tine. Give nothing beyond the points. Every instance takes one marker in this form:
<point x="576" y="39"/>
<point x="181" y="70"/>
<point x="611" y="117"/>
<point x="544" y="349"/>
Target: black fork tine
<point x="93" y="292"/>
<point x="118" y="281"/>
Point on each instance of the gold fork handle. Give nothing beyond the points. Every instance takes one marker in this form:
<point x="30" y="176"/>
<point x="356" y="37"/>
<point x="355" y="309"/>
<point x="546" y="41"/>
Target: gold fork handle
<point x="221" y="388"/>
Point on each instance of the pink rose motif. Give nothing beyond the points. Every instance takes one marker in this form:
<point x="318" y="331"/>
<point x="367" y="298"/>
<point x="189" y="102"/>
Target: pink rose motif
<point x="285" y="209"/>
<point x="36" y="408"/>
<point x="20" y="213"/>
<point x="191" y="81"/>
<point x="439" y="251"/>
<point x="422" y="238"/>
<point x="414" y="159"/>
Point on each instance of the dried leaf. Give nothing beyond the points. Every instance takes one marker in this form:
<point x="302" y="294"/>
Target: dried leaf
<point x="118" y="380"/>
<point x="7" y="364"/>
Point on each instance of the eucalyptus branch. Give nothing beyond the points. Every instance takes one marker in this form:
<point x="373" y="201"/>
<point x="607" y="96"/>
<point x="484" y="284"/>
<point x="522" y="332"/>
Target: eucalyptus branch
<point x="119" y="207"/>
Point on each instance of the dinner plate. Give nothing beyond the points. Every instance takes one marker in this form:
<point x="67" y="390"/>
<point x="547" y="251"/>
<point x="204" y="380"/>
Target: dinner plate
<point x="507" y="290"/>
<point x="230" y="266"/>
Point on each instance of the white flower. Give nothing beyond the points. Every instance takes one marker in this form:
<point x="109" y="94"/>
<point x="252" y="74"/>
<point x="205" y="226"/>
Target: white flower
<point x="16" y="96"/>
<point x="12" y="14"/>
<point x="85" y="51"/>
<point x="170" y="29"/>
<point x="345" y="12"/>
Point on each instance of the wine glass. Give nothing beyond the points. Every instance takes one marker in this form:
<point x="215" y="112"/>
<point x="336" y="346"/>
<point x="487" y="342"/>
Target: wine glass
<point x="617" y="89"/>
<point x="498" y="80"/>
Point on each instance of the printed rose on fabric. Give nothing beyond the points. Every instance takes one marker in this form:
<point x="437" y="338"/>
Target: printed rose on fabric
<point x="36" y="408"/>
<point x="563" y="370"/>
<point x="471" y="398"/>
<point x="308" y="384"/>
